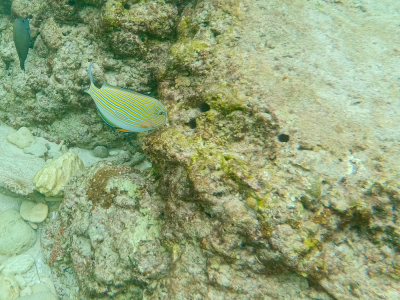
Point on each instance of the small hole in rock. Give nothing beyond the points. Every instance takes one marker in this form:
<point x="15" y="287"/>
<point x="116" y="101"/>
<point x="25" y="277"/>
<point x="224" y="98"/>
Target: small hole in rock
<point x="71" y="2"/>
<point x="204" y="107"/>
<point x="284" y="138"/>
<point x="127" y="6"/>
<point x="192" y="123"/>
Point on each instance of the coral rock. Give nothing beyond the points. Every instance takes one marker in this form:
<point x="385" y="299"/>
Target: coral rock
<point x="16" y="236"/>
<point x="33" y="212"/>
<point x="51" y="179"/>
<point x="22" y="138"/>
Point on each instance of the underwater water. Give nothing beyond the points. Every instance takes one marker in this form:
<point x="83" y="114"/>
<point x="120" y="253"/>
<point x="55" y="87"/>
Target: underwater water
<point x="204" y="149"/>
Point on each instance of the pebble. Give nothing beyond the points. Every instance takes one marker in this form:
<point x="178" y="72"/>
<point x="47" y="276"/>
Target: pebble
<point x="22" y="138"/>
<point x="114" y="152"/>
<point x="16" y="236"/>
<point x="143" y="165"/>
<point x="33" y="212"/>
<point x="100" y="151"/>
<point x="251" y="202"/>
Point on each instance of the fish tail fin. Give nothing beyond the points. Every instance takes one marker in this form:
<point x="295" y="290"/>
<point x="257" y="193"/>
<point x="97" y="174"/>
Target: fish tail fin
<point x="90" y="73"/>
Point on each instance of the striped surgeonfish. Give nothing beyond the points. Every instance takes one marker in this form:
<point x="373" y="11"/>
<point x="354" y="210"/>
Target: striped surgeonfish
<point x="126" y="110"/>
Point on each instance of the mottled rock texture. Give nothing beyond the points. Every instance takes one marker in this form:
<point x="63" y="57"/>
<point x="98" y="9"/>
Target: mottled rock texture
<point x="294" y="125"/>
<point x="122" y="239"/>
<point x="124" y="38"/>
<point x="278" y="167"/>
<point x="16" y="168"/>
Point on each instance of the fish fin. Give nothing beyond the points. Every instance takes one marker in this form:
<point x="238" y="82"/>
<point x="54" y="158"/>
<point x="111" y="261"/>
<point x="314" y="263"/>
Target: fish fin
<point x="122" y="130"/>
<point x="90" y="73"/>
<point x="111" y="124"/>
<point x="86" y="91"/>
<point x="107" y="85"/>
<point x="105" y="119"/>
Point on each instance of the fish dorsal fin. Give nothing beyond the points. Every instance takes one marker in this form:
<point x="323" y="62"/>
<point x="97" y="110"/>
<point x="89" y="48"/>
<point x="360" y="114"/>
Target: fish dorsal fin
<point x="124" y="90"/>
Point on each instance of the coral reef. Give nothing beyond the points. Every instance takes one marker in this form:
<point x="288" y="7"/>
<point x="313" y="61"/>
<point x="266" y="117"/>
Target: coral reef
<point x="300" y="194"/>
<point x="115" y="232"/>
<point x="137" y="28"/>
<point x="109" y="230"/>
<point x="66" y="36"/>
<point x="276" y="175"/>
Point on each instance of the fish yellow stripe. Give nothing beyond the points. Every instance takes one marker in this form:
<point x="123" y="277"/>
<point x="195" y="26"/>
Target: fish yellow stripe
<point x="129" y="107"/>
<point x="111" y="105"/>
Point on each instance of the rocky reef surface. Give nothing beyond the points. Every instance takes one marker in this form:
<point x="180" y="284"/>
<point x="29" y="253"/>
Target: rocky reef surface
<point x="276" y="177"/>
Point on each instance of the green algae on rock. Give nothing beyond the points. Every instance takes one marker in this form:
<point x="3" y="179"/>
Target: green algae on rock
<point x="322" y="198"/>
<point x="134" y="29"/>
<point x="111" y="199"/>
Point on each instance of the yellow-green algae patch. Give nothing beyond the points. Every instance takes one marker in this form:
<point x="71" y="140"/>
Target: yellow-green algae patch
<point x="146" y="229"/>
<point x="124" y="185"/>
<point x="113" y="14"/>
<point x="186" y="50"/>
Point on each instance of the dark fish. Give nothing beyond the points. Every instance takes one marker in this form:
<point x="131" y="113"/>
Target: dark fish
<point x="22" y="39"/>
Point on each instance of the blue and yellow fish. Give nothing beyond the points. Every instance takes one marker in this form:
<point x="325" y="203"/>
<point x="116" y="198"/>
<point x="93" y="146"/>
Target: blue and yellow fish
<point x="126" y="110"/>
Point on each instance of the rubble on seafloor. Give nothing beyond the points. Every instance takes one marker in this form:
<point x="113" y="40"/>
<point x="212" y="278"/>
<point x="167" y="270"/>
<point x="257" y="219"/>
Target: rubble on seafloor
<point x="276" y="176"/>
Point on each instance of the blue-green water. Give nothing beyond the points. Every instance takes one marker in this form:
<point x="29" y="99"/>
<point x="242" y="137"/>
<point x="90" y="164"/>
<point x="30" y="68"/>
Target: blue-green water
<point x="275" y="175"/>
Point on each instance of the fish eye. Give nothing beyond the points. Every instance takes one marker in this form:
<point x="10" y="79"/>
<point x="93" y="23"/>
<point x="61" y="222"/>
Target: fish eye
<point x="161" y="113"/>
